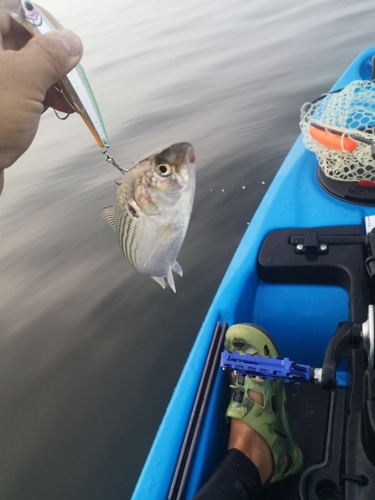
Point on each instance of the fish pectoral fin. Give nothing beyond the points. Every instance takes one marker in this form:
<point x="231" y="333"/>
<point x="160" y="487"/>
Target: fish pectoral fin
<point x="165" y="233"/>
<point x="109" y="214"/>
<point x="177" y="268"/>
<point x="170" y="279"/>
<point x="159" y="280"/>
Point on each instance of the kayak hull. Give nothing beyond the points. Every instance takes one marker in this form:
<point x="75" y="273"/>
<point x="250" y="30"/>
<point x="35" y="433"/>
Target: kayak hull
<point x="301" y="318"/>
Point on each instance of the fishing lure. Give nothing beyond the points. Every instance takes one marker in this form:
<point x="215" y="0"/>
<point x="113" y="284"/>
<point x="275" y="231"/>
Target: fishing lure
<point x="75" y="86"/>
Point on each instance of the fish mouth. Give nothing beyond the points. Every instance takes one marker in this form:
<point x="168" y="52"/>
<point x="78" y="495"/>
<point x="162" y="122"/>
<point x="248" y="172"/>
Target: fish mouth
<point x="177" y="154"/>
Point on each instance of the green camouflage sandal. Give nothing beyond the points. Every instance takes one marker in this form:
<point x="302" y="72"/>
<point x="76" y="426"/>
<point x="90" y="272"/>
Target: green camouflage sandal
<point x="270" y="420"/>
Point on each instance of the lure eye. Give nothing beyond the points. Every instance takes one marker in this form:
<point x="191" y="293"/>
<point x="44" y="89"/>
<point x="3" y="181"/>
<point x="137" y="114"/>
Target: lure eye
<point x="31" y="13"/>
<point x="164" y="169"/>
<point x="29" y="6"/>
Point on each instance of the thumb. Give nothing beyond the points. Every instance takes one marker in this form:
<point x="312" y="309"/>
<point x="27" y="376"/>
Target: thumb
<point x="48" y="58"/>
<point x="25" y="77"/>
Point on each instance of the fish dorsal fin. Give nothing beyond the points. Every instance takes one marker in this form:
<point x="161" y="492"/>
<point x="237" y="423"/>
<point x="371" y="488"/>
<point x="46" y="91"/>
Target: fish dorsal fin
<point x="159" y="280"/>
<point x="109" y="214"/>
<point x="170" y="279"/>
<point x="177" y="268"/>
<point x="165" y="233"/>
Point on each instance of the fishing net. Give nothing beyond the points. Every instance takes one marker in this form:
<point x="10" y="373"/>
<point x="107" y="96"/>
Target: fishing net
<point x="339" y="129"/>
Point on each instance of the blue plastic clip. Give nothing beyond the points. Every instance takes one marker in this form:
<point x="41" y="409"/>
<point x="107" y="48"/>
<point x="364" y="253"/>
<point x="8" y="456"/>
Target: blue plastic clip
<point x="272" y="368"/>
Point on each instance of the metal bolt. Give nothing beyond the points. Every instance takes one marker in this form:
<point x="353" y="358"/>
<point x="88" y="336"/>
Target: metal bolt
<point x="300" y="247"/>
<point x="318" y="374"/>
<point x="323" y="247"/>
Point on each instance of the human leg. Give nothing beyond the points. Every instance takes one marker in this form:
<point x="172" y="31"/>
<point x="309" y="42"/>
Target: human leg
<point x="261" y="448"/>
<point x="236" y="478"/>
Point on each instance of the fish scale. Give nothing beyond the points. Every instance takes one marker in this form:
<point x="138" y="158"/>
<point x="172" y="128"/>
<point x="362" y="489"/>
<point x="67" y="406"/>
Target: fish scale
<point x="124" y="230"/>
<point x="129" y="240"/>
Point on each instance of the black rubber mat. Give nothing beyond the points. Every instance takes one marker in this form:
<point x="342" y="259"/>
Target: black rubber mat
<point x="308" y="409"/>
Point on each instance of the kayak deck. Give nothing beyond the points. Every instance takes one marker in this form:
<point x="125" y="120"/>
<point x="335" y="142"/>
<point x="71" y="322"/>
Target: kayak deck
<point x="300" y="317"/>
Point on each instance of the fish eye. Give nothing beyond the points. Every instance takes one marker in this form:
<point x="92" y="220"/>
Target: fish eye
<point x="164" y="169"/>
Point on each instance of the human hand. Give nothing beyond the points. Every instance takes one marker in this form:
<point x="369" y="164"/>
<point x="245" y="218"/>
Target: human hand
<point x="29" y="67"/>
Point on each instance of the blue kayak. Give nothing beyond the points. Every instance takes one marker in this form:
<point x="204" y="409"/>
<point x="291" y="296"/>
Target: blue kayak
<point x="303" y="273"/>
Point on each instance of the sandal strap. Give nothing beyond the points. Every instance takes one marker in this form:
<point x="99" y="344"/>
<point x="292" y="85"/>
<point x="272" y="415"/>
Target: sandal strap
<point x="271" y="420"/>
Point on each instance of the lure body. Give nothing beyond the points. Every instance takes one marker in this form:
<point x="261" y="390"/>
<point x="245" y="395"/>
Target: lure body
<point x="75" y="85"/>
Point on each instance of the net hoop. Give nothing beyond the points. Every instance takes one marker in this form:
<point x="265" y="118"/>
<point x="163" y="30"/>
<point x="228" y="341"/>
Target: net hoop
<point x="340" y="129"/>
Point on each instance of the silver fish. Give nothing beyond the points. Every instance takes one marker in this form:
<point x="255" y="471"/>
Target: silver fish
<point x="152" y="211"/>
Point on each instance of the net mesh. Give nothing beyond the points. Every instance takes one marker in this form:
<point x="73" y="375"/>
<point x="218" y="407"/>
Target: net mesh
<point x="351" y="111"/>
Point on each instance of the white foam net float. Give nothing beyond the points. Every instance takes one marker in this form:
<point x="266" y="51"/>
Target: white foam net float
<point x="340" y="129"/>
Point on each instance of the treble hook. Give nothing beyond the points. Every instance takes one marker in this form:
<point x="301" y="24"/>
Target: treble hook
<point x="61" y="92"/>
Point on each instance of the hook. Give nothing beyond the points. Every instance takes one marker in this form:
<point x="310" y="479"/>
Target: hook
<point x="59" y="89"/>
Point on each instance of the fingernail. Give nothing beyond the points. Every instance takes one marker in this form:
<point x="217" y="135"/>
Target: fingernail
<point x="71" y="42"/>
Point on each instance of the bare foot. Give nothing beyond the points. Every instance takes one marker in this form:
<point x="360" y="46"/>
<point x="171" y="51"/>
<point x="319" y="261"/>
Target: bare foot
<point x="252" y="444"/>
<point x="244" y="438"/>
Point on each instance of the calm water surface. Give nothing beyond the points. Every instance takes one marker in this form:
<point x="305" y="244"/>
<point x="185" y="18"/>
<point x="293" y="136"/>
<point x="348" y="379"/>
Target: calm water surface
<point x="90" y="351"/>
